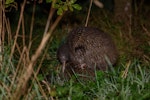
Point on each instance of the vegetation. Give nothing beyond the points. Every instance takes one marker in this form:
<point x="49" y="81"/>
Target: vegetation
<point x="30" y="70"/>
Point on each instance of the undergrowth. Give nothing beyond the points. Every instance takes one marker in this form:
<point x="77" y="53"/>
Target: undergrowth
<point x="125" y="82"/>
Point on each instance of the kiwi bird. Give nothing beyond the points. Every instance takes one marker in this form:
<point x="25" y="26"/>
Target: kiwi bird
<point x="88" y="47"/>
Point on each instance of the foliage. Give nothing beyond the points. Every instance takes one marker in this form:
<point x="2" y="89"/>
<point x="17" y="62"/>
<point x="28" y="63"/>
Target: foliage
<point x="62" y="6"/>
<point x="9" y="3"/>
<point x="65" y="6"/>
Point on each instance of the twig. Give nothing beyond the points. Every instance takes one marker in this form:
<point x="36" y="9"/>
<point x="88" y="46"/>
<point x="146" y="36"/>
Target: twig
<point x="87" y="19"/>
<point x="39" y="66"/>
<point x="48" y="88"/>
<point x="26" y="76"/>
<point x="2" y="28"/>
<point x="7" y="27"/>
<point x="23" y="32"/>
<point x="98" y="3"/>
<point x="18" y="48"/>
<point x="18" y="28"/>
<point x="7" y="89"/>
<point x="31" y="26"/>
<point x="146" y="31"/>
<point x="52" y="10"/>
<point x="17" y="70"/>
<point x="40" y="87"/>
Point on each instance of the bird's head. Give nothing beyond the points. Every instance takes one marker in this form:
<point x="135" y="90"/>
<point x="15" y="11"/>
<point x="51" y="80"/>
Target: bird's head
<point x="63" y="55"/>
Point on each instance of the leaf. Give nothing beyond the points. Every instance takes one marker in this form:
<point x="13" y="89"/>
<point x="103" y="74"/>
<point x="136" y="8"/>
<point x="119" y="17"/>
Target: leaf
<point x="9" y="2"/>
<point x="72" y="1"/>
<point x="40" y="77"/>
<point x="64" y="7"/>
<point x="77" y="6"/>
<point x="60" y="11"/>
<point x="53" y="91"/>
<point x="56" y="6"/>
<point x="70" y="8"/>
<point x="48" y="1"/>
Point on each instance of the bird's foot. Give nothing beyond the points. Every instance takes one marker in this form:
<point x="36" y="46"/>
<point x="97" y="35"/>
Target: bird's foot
<point x="83" y="66"/>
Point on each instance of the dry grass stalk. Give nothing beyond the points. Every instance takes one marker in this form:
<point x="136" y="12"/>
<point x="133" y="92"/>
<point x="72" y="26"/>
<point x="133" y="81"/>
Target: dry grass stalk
<point x="87" y="19"/>
<point x="125" y="73"/>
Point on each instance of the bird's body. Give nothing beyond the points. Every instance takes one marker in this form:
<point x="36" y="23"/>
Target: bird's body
<point x="88" y="47"/>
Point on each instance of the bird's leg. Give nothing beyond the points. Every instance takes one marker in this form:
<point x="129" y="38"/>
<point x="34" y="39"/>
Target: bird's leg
<point x="63" y="66"/>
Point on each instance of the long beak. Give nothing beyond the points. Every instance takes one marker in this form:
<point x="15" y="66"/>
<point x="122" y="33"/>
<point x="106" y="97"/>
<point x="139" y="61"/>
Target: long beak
<point x="63" y="66"/>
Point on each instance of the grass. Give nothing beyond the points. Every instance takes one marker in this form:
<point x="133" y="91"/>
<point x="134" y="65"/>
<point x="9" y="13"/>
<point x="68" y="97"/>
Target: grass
<point x="129" y="79"/>
<point x="108" y="85"/>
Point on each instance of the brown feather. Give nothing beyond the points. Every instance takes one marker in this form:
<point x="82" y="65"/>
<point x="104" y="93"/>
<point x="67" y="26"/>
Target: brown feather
<point x="89" y="46"/>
